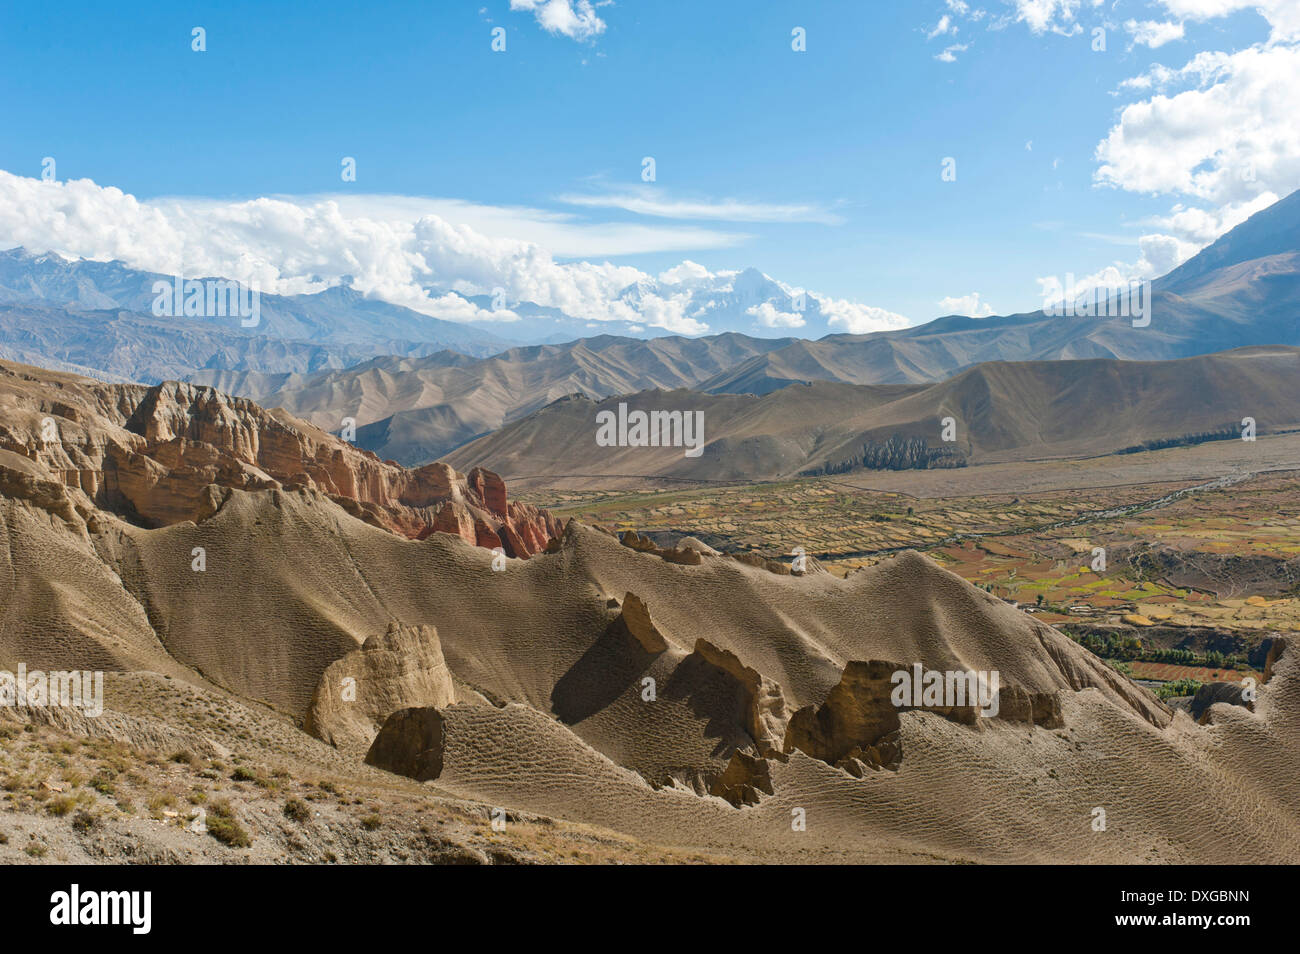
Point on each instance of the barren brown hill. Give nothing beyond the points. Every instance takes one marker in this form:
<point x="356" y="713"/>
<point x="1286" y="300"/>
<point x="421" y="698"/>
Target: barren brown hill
<point x="999" y="412"/>
<point x="1242" y="290"/>
<point x="683" y="699"/>
<point x="416" y="409"/>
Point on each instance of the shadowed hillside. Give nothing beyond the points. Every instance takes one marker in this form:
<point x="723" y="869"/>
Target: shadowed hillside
<point x="1000" y="412"/>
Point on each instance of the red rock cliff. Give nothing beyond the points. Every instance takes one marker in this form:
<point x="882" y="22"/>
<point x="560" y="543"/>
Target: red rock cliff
<point x="154" y="454"/>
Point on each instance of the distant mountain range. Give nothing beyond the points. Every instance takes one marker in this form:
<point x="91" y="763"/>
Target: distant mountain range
<point x="91" y="316"/>
<point x="417" y="409"/>
<point x="994" y="412"/>
<point x="419" y="387"/>
<point x="744" y="302"/>
<point x="1242" y="290"/>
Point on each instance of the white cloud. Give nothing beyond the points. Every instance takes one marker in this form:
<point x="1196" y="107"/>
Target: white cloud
<point x="1040" y="16"/>
<point x="453" y="307"/>
<point x="1282" y="15"/>
<point x="578" y="21"/>
<point x="949" y="26"/>
<point x="687" y="273"/>
<point x="1220" y="129"/>
<point x="396" y="248"/>
<point x="653" y="202"/>
<point x="1228" y="138"/>
<point x="1160" y="254"/>
<point x="291" y="247"/>
<point x="769" y="316"/>
<point x="857" y="319"/>
<point x="1154" y="33"/>
<point x="561" y="233"/>
<point x="1202" y="226"/>
<point x="966" y="305"/>
<point x="943" y="27"/>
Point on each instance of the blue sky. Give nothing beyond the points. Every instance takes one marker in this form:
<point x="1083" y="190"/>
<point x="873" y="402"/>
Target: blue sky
<point x="821" y="168"/>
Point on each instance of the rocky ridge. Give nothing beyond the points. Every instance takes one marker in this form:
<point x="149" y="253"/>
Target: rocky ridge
<point x="169" y="453"/>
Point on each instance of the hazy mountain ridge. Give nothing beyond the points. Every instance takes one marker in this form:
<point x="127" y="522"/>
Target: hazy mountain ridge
<point x="1219" y="300"/>
<point x="1001" y="411"/>
<point x="418" y="409"/>
<point x="1243" y="289"/>
<point x="412" y="405"/>
<point x="341" y="324"/>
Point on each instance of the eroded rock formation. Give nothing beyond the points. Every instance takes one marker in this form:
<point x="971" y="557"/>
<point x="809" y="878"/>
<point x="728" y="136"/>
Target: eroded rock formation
<point x="411" y="743"/>
<point x="763" y="709"/>
<point x="857" y="715"/>
<point x="156" y="454"/>
<point x="399" y="669"/>
<point x="1228" y="693"/>
<point x="857" y="727"/>
<point x="744" y="781"/>
<point x="634" y="620"/>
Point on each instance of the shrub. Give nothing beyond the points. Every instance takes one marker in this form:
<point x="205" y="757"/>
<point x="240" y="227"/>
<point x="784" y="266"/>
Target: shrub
<point x="159" y="801"/>
<point x="224" y="826"/>
<point x="371" y="822"/>
<point x="295" y="809"/>
<point x="102" y="781"/>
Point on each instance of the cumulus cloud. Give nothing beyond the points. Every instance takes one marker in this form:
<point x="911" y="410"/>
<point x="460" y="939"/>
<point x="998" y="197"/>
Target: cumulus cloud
<point x="453" y="307"/>
<point x="1186" y="230"/>
<point x="395" y="248"/>
<point x="687" y="273"/>
<point x="576" y="20"/>
<point x="1160" y="254"/>
<point x="1154" y="33"/>
<point x="1200" y="227"/>
<point x="287" y="247"/>
<point x="966" y="305"/>
<point x="857" y="319"/>
<point x="1227" y="137"/>
<point x="769" y="316"/>
<point x="1283" y="15"/>
<point x="949" y="54"/>
<point x="1219" y="129"/>
<point x="1041" y="16"/>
